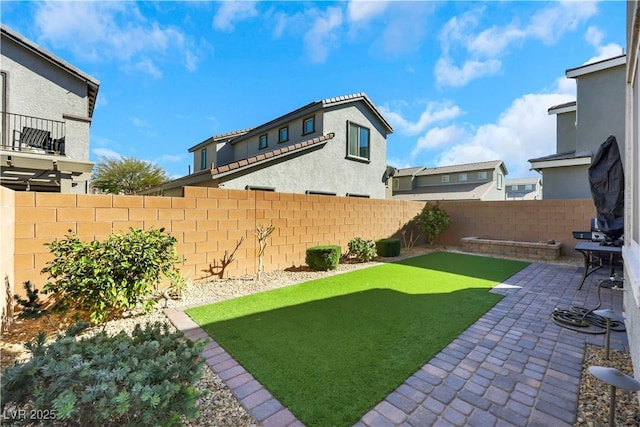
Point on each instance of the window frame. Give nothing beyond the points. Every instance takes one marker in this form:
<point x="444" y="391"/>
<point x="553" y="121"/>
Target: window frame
<point x="462" y="177"/>
<point x="280" y="139"/>
<point x="304" y="125"/>
<point x="483" y="175"/>
<point x="528" y="187"/>
<point x="445" y="178"/>
<point x="203" y="159"/>
<point x="266" y="141"/>
<point x="359" y="129"/>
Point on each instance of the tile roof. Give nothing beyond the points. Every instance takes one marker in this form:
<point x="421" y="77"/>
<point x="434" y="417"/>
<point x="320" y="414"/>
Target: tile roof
<point x="220" y="137"/>
<point x="471" y="191"/>
<point x="269" y="155"/>
<point x="522" y="181"/>
<point x="562" y="156"/>
<point x="407" y="171"/>
<point x="462" y="168"/>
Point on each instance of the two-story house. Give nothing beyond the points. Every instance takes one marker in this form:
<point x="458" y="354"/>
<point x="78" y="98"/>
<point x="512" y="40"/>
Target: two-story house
<point x="335" y="146"/>
<point x="582" y="126"/>
<point x="47" y="107"/>
<point x="472" y="181"/>
<point x="523" y="189"/>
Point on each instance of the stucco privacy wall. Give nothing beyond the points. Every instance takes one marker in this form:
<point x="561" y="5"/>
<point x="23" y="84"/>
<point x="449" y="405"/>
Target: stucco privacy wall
<point x="209" y="221"/>
<point x="7" y="238"/>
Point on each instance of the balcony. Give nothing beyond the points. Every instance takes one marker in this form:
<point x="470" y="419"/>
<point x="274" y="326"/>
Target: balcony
<point x="32" y="134"/>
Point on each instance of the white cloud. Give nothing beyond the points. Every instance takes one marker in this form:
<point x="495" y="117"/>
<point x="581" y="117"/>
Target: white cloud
<point x="322" y="33"/>
<point x="108" y="31"/>
<point x="551" y="23"/>
<point x="595" y="36"/>
<point x="438" y="137"/>
<point x="231" y="12"/>
<point x="106" y="153"/>
<point x="449" y="74"/>
<point x="524" y="131"/>
<point x="140" y="123"/>
<point x="363" y="11"/>
<point x="481" y="50"/>
<point x="434" y="112"/>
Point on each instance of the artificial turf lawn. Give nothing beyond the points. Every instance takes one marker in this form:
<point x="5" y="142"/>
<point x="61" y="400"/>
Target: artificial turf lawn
<point x="331" y="349"/>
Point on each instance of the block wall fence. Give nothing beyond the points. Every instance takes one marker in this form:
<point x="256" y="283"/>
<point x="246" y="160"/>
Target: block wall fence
<point x="209" y="221"/>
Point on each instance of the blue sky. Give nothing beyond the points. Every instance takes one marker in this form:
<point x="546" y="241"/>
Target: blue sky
<point x="459" y="81"/>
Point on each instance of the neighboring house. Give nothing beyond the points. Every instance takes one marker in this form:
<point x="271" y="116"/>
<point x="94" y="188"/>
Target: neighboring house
<point x="523" y="189"/>
<point x="582" y="126"/>
<point x="473" y="181"/>
<point x="335" y="146"/>
<point x="631" y="155"/>
<point x="47" y="107"/>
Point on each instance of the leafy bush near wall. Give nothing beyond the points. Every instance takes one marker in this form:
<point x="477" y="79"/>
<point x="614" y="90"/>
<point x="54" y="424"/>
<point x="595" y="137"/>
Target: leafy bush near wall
<point x="433" y="219"/>
<point x="107" y="278"/>
<point x="146" y="379"/>
<point x="388" y="247"/>
<point x="323" y="257"/>
<point x="361" y="249"/>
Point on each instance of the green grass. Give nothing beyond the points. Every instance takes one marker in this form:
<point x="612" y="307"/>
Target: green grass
<point x="331" y="349"/>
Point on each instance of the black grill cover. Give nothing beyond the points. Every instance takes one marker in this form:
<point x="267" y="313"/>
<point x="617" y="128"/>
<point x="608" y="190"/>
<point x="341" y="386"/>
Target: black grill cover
<point x="606" y="178"/>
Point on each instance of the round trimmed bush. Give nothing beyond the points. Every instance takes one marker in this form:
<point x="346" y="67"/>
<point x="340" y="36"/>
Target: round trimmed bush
<point x="388" y="247"/>
<point x="323" y="257"/>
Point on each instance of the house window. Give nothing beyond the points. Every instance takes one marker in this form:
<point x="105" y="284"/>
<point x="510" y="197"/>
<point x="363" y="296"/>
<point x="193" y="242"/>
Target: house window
<point x="445" y="178"/>
<point x="309" y="125"/>
<point x="482" y="175"/>
<point x="396" y="184"/>
<point x="203" y="159"/>
<point x="262" y="142"/>
<point x="514" y="188"/>
<point x="499" y="181"/>
<point x="283" y="134"/>
<point x="462" y="177"/>
<point x="358" y="140"/>
<point x="528" y="187"/>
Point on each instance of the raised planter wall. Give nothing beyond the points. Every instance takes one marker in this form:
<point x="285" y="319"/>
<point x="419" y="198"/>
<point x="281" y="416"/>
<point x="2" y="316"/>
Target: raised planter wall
<point x="508" y="248"/>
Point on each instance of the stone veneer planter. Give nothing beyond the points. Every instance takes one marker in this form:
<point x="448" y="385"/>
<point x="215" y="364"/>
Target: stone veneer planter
<point x="509" y="248"/>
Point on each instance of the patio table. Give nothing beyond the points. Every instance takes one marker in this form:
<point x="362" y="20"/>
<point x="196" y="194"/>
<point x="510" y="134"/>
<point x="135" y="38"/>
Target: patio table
<point x="596" y="256"/>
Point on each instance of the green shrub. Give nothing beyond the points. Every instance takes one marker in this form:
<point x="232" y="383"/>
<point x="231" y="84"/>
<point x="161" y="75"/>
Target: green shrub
<point x="433" y="220"/>
<point x="388" y="247"/>
<point x="31" y="306"/>
<point x="145" y="379"/>
<point x="361" y="249"/>
<point x="323" y="257"/>
<point x="107" y="278"/>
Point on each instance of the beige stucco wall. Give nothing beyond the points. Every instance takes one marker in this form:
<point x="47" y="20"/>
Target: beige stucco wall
<point x="37" y="88"/>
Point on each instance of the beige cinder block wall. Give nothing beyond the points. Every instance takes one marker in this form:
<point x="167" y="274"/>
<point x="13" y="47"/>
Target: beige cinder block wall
<point x="7" y="236"/>
<point x="207" y="222"/>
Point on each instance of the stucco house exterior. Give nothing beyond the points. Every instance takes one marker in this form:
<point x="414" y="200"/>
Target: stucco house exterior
<point x="47" y="106"/>
<point x="523" y="189"/>
<point x="631" y="248"/>
<point x="335" y="146"/>
<point x="582" y="126"/>
<point x="472" y="181"/>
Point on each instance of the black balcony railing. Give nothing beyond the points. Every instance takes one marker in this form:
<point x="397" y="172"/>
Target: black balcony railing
<point x="33" y="134"/>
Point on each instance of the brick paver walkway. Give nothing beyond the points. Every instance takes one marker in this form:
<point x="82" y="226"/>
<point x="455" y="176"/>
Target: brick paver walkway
<point x="513" y="367"/>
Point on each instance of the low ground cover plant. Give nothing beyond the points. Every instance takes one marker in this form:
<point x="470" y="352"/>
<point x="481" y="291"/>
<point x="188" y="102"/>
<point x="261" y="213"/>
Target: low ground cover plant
<point x="146" y="379"/>
<point x="110" y="277"/>
<point x="331" y="349"/>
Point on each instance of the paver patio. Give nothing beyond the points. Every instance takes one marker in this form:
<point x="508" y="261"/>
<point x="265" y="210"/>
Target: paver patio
<point x="512" y="367"/>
